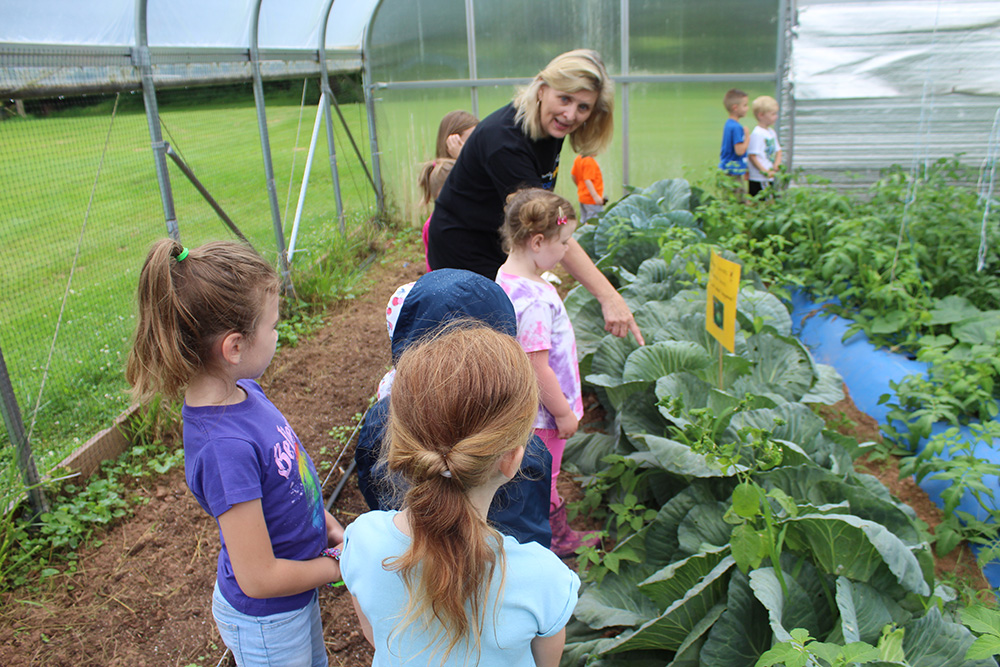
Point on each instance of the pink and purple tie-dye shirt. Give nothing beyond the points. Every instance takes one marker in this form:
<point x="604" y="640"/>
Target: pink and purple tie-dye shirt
<point x="543" y="324"/>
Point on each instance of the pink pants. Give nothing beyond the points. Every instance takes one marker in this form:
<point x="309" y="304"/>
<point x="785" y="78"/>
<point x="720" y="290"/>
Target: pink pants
<point x="556" y="446"/>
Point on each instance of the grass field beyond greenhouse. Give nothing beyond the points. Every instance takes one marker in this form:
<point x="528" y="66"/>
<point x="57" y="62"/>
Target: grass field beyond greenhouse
<point x="52" y="164"/>
<point x="675" y="131"/>
<point x="50" y="169"/>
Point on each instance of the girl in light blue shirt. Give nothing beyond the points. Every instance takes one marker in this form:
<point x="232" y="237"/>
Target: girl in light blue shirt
<point x="435" y="583"/>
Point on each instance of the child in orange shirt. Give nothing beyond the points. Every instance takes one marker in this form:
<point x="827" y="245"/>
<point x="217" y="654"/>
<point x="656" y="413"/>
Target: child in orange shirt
<point x="586" y="174"/>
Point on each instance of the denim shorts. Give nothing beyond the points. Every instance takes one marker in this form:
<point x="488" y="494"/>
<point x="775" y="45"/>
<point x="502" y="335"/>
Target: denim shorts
<point x="289" y="639"/>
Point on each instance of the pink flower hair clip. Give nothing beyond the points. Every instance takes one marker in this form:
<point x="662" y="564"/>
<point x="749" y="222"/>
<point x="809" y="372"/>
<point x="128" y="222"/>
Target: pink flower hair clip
<point x="560" y="217"/>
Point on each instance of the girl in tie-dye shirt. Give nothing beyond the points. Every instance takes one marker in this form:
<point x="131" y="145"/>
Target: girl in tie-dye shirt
<point x="538" y="226"/>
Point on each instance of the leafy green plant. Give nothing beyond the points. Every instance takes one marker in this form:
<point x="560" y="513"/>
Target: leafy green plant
<point x="985" y="622"/>
<point x="298" y="320"/>
<point x="763" y="527"/>
<point x="756" y="534"/>
<point x="623" y="480"/>
<point x="952" y="458"/>
<point x="47" y="545"/>
<point x="802" y="650"/>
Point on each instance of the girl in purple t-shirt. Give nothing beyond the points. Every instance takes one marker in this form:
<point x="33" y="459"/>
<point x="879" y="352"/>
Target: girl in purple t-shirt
<point x="207" y="330"/>
<point x="538" y="226"/>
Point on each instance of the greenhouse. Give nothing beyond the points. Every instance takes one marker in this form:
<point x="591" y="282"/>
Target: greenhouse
<point x="742" y="512"/>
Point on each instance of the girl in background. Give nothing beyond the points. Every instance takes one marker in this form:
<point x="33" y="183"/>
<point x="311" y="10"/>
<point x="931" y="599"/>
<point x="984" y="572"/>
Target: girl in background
<point x="435" y="583"/>
<point x="537" y="229"/>
<point x="431" y="180"/>
<point x="207" y="330"/>
<point x="453" y="130"/>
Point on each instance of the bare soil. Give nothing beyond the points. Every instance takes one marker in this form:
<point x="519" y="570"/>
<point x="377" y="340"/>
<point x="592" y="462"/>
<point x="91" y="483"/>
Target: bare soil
<point x="142" y="597"/>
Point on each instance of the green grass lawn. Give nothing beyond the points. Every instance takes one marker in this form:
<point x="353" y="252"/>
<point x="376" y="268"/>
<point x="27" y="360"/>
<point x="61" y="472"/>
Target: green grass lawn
<point x="50" y="165"/>
<point x="48" y="171"/>
<point x="675" y="131"/>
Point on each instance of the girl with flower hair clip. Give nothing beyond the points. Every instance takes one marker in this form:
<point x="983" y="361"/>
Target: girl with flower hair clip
<point x="538" y="225"/>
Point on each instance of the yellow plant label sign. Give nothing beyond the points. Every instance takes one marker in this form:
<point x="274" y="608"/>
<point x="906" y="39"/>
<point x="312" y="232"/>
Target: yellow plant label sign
<point x="723" y="288"/>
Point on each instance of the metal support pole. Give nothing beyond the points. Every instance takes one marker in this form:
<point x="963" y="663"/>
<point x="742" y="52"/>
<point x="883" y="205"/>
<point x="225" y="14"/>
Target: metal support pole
<point x="325" y="96"/>
<point x="354" y="144"/>
<point x="186" y="170"/>
<point x="265" y="146"/>
<point x="780" y="56"/>
<point x="140" y="58"/>
<point x="369" y="87"/>
<point x="15" y="429"/>
<point x="624" y="9"/>
<point x="305" y="179"/>
<point x="470" y="38"/>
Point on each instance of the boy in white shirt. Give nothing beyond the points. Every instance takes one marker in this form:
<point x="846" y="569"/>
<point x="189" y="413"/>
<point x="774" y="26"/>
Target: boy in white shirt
<point x="763" y="152"/>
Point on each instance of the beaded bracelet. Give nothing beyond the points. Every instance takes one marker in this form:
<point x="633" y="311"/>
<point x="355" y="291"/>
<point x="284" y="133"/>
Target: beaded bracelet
<point x="334" y="553"/>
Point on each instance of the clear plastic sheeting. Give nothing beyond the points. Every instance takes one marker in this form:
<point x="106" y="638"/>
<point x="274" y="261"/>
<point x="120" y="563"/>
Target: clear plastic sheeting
<point x="672" y="61"/>
<point x="185" y="23"/>
<point x="77" y="23"/>
<point x="58" y="47"/>
<point x="419" y="40"/>
<point x="188" y="23"/>
<point x="892" y="47"/>
<point x="875" y="84"/>
<point x="702" y="36"/>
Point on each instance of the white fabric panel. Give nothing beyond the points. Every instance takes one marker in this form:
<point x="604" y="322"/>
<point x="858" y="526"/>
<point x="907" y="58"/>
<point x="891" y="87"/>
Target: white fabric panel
<point x="185" y="23"/>
<point x="348" y="19"/>
<point x="199" y="23"/>
<point x="91" y="23"/>
<point x="290" y="25"/>
<point x="889" y="48"/>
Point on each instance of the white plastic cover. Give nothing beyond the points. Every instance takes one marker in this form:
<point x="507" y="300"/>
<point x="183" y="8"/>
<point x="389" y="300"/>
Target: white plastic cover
<point x="185" y="23"/>
<point x="890" y="48"/>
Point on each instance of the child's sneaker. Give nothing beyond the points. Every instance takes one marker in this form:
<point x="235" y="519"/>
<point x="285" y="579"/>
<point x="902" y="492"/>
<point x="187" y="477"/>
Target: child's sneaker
<point x="565" y="540"/>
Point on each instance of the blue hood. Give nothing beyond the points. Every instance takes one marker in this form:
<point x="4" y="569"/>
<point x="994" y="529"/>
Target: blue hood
<point x="445" y="295"/>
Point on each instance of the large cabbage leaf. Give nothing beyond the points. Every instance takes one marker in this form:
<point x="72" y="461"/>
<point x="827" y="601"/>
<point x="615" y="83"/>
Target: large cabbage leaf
<point x="847" y="545"/>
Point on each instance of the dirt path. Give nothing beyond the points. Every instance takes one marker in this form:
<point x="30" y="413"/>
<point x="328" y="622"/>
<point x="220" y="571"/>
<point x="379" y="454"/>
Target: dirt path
<point x="143" y="597"/>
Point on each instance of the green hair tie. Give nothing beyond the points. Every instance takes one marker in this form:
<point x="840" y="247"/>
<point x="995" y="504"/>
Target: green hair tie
<point x="181" y="257"/>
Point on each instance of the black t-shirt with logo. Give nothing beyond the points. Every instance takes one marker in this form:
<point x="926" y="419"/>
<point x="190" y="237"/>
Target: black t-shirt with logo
<point x="497" y="159"/>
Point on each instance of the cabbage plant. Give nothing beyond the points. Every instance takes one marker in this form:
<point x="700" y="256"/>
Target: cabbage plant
<point x="744" y="518"/>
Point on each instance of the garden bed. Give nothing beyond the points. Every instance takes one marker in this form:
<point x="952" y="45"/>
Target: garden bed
<point x="143" y="597"/>
<point x="868" y="372"/>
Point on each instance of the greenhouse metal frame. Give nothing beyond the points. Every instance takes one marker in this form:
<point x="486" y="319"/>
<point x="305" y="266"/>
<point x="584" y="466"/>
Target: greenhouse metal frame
<point x="862" y="85"/>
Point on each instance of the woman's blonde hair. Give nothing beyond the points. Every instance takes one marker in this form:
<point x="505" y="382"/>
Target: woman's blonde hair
<point x="572" y="72"/>
<point x="432" y="177"/>
<point x="454" y="122"/>
<point x="186" y="302"/>
<point x="531" y="211"/>
<point x="460" y="401"/>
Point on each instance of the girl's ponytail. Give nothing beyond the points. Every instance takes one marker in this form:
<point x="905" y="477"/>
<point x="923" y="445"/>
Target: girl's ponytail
<point x="460" y="401"/>
<point x="432" y="177"/>
<point x="186" y="300"/>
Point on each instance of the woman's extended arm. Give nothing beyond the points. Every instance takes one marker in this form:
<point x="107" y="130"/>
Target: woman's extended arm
<point x="618" y="319"/>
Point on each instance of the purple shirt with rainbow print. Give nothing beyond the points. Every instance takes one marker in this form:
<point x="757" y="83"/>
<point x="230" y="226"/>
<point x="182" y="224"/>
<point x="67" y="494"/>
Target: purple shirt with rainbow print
<point x="237" y="453"/>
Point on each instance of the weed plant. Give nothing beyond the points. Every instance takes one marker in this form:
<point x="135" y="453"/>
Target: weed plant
<point x="33" y="549"/>
<point x="900" y="262"/>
